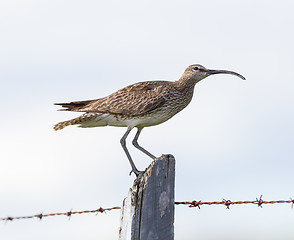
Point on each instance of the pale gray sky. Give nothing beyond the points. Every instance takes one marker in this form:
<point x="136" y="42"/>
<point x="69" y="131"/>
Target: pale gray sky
<point x="234" y="140"/>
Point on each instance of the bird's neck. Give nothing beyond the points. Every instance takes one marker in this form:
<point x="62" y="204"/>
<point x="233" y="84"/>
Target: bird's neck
<point x="185" y="84"/>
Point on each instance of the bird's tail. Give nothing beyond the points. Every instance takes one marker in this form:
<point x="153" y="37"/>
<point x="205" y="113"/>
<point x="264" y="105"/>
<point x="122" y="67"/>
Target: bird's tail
<point x="62" y="125"/>
<point x="78" y="120"/>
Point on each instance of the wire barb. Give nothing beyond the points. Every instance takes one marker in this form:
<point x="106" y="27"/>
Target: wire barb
<point x="40" y="216"/>
<point x="292" y="202"/>
<point x="259" y="201"/>
<point x="227" y="203"/>
<point x="195" y="204"/>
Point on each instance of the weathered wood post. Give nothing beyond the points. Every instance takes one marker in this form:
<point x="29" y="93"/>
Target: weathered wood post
<point x="147" y="212"/>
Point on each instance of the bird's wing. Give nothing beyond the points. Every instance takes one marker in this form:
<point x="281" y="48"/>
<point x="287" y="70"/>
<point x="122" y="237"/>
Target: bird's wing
<point x="136" y="99"/>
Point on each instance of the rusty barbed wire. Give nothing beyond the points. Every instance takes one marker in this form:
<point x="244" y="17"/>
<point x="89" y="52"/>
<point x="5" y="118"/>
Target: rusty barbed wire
<point x="68" y="214"/>
<point x="259" y="202"/>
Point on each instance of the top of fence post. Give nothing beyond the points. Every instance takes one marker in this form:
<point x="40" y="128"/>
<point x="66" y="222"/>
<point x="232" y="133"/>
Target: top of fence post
<point x="147" y="212"/>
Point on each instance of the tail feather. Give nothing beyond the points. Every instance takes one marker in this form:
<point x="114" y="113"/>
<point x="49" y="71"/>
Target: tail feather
<point x="78" y="120"/>
<point x="62" y="125"/>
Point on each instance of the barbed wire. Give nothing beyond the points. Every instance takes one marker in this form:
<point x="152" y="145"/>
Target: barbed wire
<point x="68" y="214"/>
<point x="259" y="202"/>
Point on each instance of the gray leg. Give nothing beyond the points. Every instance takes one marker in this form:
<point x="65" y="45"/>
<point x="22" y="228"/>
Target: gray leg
<point x="136" y="144"/>
<point x="123" y="144"/>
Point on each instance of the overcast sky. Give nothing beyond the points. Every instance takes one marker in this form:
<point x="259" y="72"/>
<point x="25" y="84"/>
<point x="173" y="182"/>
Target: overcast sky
<point x="234" y="140"/>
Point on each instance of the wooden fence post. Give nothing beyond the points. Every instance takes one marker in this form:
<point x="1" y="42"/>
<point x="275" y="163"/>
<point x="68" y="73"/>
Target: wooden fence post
<point x="147" y="212"/>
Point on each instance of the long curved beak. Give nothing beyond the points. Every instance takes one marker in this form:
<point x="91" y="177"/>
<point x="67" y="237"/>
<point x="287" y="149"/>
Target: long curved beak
<point x="211" y="72"/>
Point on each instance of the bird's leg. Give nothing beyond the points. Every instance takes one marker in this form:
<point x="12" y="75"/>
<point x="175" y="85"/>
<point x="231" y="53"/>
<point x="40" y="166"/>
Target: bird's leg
<point x="123" y="144"/>
<point x="136" y="144"/>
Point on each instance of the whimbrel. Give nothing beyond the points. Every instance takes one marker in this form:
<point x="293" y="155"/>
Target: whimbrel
<point x="140" y="105"/>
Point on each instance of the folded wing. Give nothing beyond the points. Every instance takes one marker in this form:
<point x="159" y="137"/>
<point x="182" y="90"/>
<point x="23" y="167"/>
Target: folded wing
<point x="136" y="99"/>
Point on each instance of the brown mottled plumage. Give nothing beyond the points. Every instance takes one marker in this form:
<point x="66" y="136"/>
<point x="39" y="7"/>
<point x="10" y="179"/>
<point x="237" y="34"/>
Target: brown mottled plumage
<point x="139" y="105"/>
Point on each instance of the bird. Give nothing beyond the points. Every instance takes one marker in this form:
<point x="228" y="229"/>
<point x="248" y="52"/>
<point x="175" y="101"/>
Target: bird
<point x="139" y="105"/>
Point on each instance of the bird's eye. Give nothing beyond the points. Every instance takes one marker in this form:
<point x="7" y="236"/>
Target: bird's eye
<point x="196" y="68"/>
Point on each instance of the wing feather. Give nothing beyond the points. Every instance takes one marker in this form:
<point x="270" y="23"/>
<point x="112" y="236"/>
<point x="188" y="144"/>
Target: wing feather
<point x="136" y="99"/>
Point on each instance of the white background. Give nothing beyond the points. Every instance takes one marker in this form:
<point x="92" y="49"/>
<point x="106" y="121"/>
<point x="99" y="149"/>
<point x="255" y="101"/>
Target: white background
<point x="234" y="140"/>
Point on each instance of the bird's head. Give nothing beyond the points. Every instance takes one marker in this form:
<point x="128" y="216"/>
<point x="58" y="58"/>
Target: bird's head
<point x="196" y="72"/>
